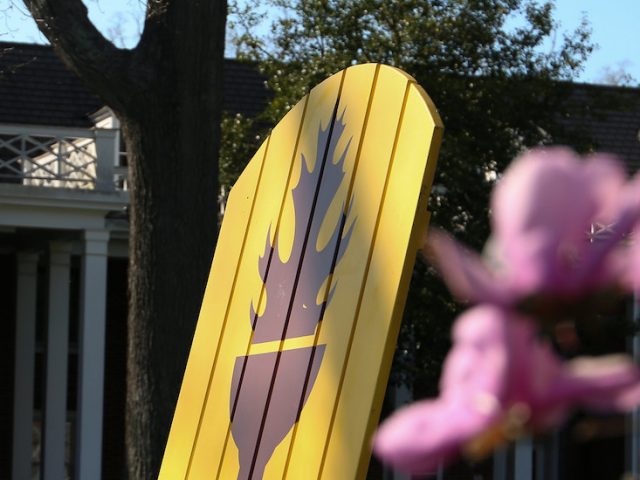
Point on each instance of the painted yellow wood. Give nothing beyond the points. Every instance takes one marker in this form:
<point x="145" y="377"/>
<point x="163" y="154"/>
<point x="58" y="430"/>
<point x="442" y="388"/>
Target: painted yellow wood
<point x="337" y="331"/>
<point x="213" y="436"/>
<point x="392" y="254"/>
<point x="340" y="191"/>
<point x="220" y="288"/>
<point x="355" y="105"/>
<point x="321" y="103"/>
<point x="373" y="159"/>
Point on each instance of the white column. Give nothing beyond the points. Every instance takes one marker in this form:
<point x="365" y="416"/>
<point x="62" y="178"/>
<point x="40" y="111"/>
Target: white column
<point x="402" y="395"/>
<point x="523" y="469"/>
<point x="500" y="457"/>
<point x="91" y="355"/>
<point x="24" y="365"/>
<point x="554" y="456"/>
<point x="540" y="449"/>
<point x="106" y="158"/>
<point x="633" y="437"/>
<point x="55" y="408"/>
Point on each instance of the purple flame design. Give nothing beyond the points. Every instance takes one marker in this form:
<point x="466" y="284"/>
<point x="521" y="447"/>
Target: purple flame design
<point x="303" y="314"/>
<point x="270" y="390"/>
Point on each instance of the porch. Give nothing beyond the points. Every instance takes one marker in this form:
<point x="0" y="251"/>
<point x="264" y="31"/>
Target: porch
<point x="63" y="226"/>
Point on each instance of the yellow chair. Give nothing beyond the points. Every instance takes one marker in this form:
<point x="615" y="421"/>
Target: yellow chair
<point x="295" y="338"/>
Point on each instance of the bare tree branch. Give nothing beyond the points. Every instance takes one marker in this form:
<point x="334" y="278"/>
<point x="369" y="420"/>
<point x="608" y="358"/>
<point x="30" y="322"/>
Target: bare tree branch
<point x="167" y="93"/>
<point x="84" y="49"/>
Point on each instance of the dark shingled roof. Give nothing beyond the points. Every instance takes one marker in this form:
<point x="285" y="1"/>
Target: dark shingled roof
<point x="609" y="116"/>
<point x="37" y="88"/>
<point x="245" y="89"/>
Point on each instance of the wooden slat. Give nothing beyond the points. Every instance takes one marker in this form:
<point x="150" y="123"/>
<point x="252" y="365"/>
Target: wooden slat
<point x="210" y="443"/>
<point x="320" y="111"/>
<point x="352" y="109"/>
<point x="316" y="421"/>
<point x="322" y="355"/>
<point x="392" y="256"/>
<point x="218" y="294"/>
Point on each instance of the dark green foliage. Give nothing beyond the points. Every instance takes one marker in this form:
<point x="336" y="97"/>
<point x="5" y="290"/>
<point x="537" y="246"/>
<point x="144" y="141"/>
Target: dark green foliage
<point x="239" y="141"/>
<point x="492" y="68"/>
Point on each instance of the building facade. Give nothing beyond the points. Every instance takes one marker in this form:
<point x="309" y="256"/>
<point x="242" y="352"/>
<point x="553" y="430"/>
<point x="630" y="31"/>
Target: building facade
<point x="63" y="269"/>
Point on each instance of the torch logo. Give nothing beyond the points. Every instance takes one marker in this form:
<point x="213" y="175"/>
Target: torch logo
<point x="269" y="390"/>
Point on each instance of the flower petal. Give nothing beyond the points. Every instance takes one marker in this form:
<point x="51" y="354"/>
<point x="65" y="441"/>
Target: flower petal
<point x="479" y="358"/>
<point x="603" y="258"/>
<point x="607" y="177"/>
<point x="607" y="383"/>
<point x="464" y="272"/>
<point x="426" y="434"/>
<point x="539" y="191"/>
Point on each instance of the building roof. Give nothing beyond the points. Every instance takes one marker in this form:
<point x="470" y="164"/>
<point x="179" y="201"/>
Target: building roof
<point x="609" y="117"/>
<point x="37" y="88"/>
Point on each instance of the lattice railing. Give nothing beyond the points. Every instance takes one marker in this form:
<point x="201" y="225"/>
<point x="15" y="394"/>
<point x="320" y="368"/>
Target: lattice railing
<point x="600" y="231"/>
<point x="63" y="158"/>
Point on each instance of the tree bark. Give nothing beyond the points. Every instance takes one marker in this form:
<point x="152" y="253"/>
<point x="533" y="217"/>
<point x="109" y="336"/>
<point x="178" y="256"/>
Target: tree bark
<point x="167" y="93"/>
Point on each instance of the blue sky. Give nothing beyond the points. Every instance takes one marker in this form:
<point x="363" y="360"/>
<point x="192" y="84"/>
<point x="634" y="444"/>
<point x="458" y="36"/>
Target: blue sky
<point x="615" y="29"/>
<point x="615" y="25"/>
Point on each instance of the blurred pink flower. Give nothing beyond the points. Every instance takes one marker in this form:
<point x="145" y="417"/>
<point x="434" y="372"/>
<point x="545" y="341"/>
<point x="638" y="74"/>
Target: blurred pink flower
<point x="544" y="262"/>
<point x="542" y="212"/>
<point x="499" y="380"/>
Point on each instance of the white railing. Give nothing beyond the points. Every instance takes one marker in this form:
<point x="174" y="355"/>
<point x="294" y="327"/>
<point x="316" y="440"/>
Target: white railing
<point x="61" y="157"/>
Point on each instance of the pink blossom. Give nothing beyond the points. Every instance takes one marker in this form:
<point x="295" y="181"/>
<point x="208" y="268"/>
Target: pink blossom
<point x="629" y="261"/>
<point x="542" y="211"/>
<point x="500" y="379"/>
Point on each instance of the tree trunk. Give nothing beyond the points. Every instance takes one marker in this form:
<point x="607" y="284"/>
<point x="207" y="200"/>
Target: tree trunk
<point x="172" y="235"/>
<point x="167" y="93"/>
<point x="173" y="136"/>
